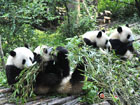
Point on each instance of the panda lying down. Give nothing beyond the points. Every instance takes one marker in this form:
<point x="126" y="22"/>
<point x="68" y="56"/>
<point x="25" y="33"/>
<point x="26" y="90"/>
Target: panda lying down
<point x="56" y="76"/>
<point x="55" y="73"/>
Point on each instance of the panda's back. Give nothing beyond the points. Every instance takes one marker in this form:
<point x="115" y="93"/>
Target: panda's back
<point x="91" y="35"/>
<point x="114" y="35"/>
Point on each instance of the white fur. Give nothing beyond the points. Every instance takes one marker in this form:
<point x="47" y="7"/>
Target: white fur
<point x="100" y="42"/>
<point x="123" y="35"/>
<point x="104" y="52"/>
<point x="39" y="50"/>
<point x="66" y="79"/>
<point x="21" y="53"/>
<point x="128" y="54"/>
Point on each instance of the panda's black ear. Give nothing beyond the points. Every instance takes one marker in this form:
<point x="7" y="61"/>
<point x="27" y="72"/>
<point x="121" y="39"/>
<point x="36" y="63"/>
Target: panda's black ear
<point x="119" y="29"/>
<point x="35" y="54"/>
<point x="103" y="31"/>
<point x="127" y="25"/>
<point x="26" y="45"/>
<point x="12" y="53"/>
<point x="99" y="35"/>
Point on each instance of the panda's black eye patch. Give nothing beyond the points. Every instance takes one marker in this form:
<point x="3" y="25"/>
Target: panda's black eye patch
<point x="45" y="50"/>
<point x="106" y="42"/>
<point x="128" y="36"/>
<point x="23" y="61"/>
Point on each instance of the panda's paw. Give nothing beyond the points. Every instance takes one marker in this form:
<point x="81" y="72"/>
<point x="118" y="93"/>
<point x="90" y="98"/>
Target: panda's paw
<point x="104" y="52"/>
<point x="62" y="50"/>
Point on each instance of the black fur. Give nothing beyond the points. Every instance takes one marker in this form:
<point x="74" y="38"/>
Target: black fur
<point x="103" y="31"/>
<point x="26" y="45"/>
<point x="99" y="35"/>
<point x="54" y="70"/>
<point x="62" y="61"/>
<point x="127" y="25"/>
<point x="88" y="42"/>
<point x="120" y="47"/>
<point x="47" y="79"/>
<point x="12" y="53"/>
<point x="77" y="75"/>
<point x="37" y="58"/>
<point x="12" y="72"/>
<point x="119" y="29"/>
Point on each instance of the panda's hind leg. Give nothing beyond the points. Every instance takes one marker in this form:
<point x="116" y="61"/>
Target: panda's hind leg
<point x="77" y="79"/>
<point x="77" y="75"/>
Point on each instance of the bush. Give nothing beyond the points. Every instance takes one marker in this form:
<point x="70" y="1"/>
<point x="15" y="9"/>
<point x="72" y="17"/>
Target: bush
<point x="77" y="28"/>
<point x="120" y="9"/>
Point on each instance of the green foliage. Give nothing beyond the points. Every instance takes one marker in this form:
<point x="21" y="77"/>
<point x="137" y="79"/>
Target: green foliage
<point x="107" y="73"/>
<point x="50" y="38"/>
<point x="17" y="20"/>
<point x="23" y="89"/>
<point x="77" y="28"/>
<point x="3" y="80"/>
<point x="118" y="8"/>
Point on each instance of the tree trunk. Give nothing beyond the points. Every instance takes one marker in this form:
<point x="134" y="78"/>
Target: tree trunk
<point x="75" y="6"/>
<point x="137" y="3"/>
<point x="1" y="54"/>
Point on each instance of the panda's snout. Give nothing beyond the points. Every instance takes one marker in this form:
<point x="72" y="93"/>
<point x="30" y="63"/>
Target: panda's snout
<point x="50" y="50"/>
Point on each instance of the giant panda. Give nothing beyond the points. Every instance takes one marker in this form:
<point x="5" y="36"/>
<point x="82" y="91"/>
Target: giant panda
<point x="97" y="39"/>
<point x="121" y="41"/>
<point x="18" y="59"/>
<point x="56" y="76"/>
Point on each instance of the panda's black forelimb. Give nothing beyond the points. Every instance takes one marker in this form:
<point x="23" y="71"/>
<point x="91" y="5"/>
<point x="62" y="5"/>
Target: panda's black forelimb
<point x="77" y="75"/>
<point x="62" y="61"/>
<point x="12" y="72"/>
<point x="120" y="47"/>
<point x="88" y="42"/>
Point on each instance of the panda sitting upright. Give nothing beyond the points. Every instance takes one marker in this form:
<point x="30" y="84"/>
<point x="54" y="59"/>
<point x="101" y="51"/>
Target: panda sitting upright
<point x="18" y="59"/>
<point x="55" y="74"/>
<point x="97" y="39"/>
<point x="121" y="41"/>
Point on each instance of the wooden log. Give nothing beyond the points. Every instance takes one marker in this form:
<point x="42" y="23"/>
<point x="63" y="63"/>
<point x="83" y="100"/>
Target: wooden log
<point x="5" y="90"/>
<point x="41" y="101"/>
<point x="3" y="101"/>
<point x="103" y="103"/>
<point x="2" y="95"/>
<point x="73" y="102"/>
<point x="62" y="100"/>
